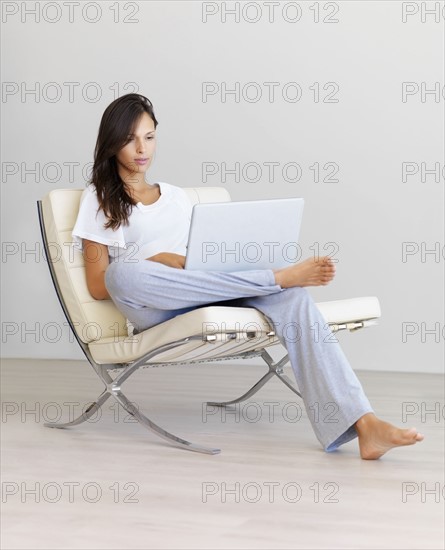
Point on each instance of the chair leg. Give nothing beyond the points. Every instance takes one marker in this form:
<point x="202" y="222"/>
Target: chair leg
<point x="113" y="388"/>
<point x="275" y="369"/>
<point x="88" y="413"/>
<point x="288" y="382"/>
<point x="246" y="395"/>
<point x="131" y="409"/>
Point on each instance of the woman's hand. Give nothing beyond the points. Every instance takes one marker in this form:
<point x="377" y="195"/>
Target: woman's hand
<point x="169" y="259"/>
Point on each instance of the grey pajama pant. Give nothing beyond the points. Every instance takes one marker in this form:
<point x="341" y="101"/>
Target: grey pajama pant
<point x="148" y="293"/>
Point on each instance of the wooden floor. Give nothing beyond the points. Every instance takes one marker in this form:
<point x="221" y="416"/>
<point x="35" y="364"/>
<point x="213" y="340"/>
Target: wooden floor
<point x="111" y="484"/>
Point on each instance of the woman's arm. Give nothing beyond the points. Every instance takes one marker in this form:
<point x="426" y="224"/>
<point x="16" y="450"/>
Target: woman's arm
<point x="96" y="260"/>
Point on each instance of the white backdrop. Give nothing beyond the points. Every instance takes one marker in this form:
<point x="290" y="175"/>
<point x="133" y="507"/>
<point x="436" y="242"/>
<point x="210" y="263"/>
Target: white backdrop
<point x="341" y="103"/>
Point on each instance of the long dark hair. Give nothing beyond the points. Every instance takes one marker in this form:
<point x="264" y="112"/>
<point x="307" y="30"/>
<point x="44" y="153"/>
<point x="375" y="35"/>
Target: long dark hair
<point x="118" y="121"/>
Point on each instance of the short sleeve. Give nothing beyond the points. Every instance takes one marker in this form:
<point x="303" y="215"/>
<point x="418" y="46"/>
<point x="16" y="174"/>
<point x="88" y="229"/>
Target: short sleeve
<point x="90" y="223"/>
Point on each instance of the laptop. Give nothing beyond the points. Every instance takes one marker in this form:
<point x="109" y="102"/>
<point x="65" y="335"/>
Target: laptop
<point x="244" y="235"/>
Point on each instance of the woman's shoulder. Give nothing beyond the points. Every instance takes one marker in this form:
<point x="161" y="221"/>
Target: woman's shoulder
<point x="89" y="202"/>
<point x="89" y="196"/>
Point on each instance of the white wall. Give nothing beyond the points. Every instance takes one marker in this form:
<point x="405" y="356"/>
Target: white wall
<point x="170" y="52"/>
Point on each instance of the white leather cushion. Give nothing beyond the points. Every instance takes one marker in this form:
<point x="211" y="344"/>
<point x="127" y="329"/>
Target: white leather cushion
<point x="92" y="319"/>
<point x="249" y="328"/>
<point x="218" y="320"/>
<point x="336" y="311"/>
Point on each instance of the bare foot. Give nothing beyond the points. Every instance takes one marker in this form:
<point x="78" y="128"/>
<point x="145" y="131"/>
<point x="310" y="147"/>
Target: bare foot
<point x="376" y="437"/>
<point x="310" y="272"/>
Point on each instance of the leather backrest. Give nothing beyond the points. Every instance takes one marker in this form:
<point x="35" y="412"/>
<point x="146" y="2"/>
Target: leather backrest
<point x="92" y="319"/>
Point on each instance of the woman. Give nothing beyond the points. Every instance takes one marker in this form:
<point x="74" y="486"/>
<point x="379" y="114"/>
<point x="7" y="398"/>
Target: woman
<point x="143" y="228"/>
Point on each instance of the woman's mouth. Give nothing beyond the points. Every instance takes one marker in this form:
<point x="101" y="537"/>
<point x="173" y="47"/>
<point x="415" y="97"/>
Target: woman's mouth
<point x="140" y="162"/>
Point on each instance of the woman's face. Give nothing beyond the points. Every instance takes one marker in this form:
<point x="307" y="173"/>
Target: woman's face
<point x="136" y="155"/>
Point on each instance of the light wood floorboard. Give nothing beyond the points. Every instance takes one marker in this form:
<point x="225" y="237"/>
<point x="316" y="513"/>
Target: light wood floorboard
<point x="245" y="497"/>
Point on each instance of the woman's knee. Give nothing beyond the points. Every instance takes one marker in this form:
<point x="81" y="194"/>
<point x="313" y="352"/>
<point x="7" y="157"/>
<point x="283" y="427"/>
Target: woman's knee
<point x="297" y="294"/>
<point x="299" y="301"/>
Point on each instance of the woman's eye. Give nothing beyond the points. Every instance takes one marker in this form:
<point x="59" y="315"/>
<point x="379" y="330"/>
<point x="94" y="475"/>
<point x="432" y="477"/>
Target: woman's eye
<point x="131" y="138"/>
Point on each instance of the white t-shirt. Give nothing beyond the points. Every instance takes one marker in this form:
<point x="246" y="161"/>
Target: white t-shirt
<point x="159" y="227"/>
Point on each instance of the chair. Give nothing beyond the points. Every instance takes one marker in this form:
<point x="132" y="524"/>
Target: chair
<point x="210" y="333"/>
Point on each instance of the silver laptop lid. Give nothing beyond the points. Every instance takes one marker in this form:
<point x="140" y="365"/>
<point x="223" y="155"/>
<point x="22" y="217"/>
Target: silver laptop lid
<point x="244" y="235"/>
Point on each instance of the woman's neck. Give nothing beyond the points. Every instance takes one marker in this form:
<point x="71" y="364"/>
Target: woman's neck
<point x="135" y="180"/>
